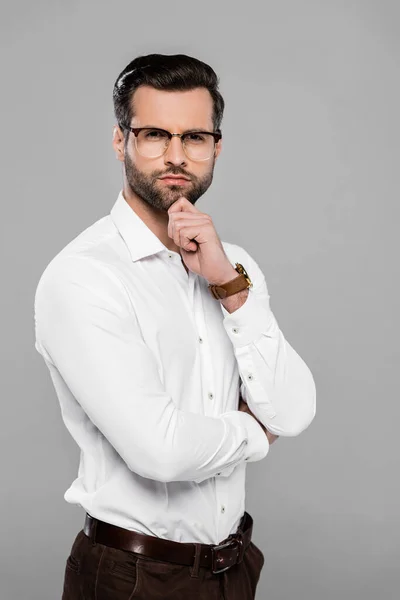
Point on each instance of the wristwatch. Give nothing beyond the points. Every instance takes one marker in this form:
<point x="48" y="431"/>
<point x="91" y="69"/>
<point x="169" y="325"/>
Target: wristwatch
<point x="223" y="290"/>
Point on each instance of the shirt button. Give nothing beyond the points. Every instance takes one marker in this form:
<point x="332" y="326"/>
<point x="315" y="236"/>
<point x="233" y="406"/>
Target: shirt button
<point x="235" y="330"/>
<point x="200" y="340"/>
<point x="222" y="509"/>
<point x="218" y="473"/>
<point x="169" y="255"/>
<point x="210" y="395"/>
<point x="250" y="376"/>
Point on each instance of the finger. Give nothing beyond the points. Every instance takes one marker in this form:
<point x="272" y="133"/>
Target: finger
<point x="178" y="222"/>
<point x="188" y="239"/>
<point x="200" y="233"/>
<point x="185" y="219"/>
<point x="182" y="204"/>
<point x="175" y="226"/>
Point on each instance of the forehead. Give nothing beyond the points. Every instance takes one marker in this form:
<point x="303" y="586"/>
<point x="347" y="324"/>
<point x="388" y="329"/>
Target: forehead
<point x="173" y="110"/>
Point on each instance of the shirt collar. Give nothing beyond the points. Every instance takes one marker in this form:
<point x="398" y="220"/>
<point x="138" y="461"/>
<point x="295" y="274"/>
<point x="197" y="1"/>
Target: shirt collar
<point x="139" y="238"/>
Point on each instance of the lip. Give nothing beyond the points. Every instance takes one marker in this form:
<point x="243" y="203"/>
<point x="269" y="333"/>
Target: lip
<point x="175" y="180"/>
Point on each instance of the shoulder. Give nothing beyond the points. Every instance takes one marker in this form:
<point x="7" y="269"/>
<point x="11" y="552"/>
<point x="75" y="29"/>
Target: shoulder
<point x="89" y="258"/>
<point x="73" y="280"/>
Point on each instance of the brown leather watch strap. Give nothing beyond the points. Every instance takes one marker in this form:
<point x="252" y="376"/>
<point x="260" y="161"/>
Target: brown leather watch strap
<point x="225" y="290"/>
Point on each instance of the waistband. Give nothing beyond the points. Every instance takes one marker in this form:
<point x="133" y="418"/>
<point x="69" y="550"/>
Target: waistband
<point x="217" y="557"/>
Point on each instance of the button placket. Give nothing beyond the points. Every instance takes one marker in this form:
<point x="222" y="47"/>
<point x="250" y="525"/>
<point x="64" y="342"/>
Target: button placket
<point x="174" y="257"/>
<point x="208" y="382"/>
<point x="185" y="285"/>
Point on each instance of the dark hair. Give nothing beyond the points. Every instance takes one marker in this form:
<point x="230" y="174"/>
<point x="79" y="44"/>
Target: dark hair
<point x="165" y="72"/>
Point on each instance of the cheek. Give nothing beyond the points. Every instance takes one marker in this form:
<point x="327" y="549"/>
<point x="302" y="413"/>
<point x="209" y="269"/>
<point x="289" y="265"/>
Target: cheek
<point x="147" y="168"/>
<point x="204" y="171"/>
<point x="199" y="170"/>
<point x="151" y="167"/>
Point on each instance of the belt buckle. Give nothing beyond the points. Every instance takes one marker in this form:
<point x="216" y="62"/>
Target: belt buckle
<point x="231" y="541"/>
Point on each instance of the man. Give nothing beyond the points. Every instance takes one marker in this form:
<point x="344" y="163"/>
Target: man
<point x="169" y="365"/>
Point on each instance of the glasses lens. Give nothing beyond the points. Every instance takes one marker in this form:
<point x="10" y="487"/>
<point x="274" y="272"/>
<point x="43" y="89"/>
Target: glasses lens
<point x="199" y="146"/>
<point x="151" y="142"/>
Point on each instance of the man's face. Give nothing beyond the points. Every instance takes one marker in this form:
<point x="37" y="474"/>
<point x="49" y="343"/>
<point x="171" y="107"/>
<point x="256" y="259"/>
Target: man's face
<point x="176" y="112"/>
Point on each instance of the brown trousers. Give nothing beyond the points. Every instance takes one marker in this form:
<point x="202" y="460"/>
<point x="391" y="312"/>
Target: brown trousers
<point x="98" y="572"/>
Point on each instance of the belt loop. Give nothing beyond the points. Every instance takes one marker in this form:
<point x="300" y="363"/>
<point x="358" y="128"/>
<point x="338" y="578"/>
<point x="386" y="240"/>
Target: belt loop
<point x="93" y="532"/>
<point x="194" y="569"/>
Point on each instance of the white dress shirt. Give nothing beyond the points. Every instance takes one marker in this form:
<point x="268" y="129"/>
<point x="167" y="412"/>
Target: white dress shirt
<point x="148" y="366"/>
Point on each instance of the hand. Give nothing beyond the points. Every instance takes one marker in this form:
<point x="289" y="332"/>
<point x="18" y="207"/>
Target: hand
<point x="200" y="246"/>
<point x="243" y="407"/>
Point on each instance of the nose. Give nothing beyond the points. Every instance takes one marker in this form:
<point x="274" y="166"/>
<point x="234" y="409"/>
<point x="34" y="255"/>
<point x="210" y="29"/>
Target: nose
<point x="174" y="154"/>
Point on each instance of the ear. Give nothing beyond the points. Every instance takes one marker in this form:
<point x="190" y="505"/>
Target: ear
<point x="218" y="148"/>
<point x="118" y="143"/>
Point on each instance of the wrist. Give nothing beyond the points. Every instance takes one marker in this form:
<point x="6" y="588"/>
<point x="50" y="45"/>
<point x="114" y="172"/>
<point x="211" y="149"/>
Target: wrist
<point x="224" y="277"/>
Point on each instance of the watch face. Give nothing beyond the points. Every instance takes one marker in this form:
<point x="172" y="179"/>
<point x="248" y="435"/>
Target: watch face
<point x="240" y="269"/>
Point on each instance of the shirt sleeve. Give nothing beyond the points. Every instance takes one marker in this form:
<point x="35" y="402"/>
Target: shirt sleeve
<point x="274" y="380"/>
<point x="86" y="326"/>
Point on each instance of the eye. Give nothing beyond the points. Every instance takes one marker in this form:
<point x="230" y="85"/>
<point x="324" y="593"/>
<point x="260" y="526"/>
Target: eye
<point x="154" y="134"/>
<point x="195" y="137"/>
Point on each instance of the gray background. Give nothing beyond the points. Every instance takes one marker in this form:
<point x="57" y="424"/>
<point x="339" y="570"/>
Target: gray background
<point x="307" y="182"/>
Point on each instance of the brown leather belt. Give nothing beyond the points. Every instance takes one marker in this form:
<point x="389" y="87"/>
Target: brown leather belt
<point x="218" y="557"/>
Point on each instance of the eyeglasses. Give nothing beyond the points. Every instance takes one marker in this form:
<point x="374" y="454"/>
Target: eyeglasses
<point x="153" y="142"/>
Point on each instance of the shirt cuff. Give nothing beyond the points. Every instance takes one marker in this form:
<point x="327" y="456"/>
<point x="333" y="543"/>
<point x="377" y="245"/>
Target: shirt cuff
<point x="251" y="320"/>
<point x="256" y="441"/>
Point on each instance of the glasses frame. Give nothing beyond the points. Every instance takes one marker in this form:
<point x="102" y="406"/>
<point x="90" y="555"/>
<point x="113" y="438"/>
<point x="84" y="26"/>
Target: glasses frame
<point x="217" y="135"/>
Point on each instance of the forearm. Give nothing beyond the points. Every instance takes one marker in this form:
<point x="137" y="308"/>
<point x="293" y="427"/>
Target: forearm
<point x="277" y="384"/>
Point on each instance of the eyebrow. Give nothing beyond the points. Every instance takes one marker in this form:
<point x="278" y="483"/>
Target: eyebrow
<point x="193" y="129"/>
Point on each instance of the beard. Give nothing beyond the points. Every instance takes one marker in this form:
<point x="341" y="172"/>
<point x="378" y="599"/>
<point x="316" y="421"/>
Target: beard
<point x="149" y="189"/>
